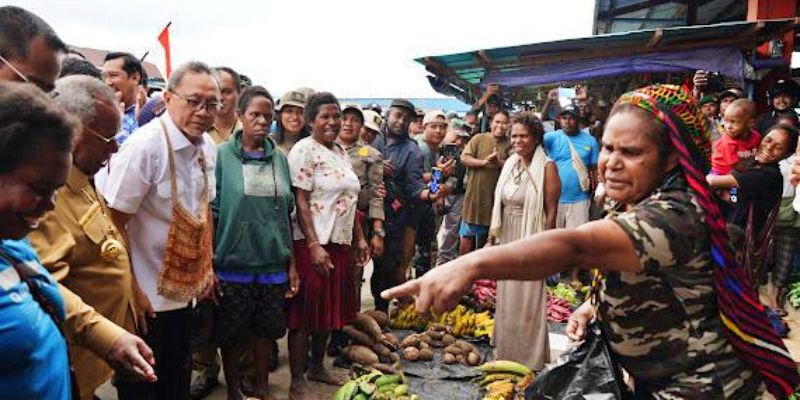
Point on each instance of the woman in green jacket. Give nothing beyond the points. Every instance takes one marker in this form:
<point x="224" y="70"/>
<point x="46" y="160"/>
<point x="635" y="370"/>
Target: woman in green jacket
<point x="253" y="254"/>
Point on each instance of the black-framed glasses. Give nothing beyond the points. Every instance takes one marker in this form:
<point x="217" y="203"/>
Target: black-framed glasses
<point x="199" y="105"/>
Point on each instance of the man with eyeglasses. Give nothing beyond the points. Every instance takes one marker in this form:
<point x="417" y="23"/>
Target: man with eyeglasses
<point x="78" y="243"/>
<point x="29" y="48"/>
<point x="140" y="190"/>
<point x="123" y="73"/>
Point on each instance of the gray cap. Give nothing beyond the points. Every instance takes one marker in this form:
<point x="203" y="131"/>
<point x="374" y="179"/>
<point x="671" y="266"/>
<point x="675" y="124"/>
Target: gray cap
<point x="403" y="103"/>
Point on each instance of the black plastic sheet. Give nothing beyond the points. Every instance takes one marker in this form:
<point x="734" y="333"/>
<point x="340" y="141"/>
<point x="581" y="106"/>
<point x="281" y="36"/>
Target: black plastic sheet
<point x="437" y="369"/>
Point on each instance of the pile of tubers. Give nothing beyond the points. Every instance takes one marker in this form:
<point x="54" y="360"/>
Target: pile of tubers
<point x="369" y="345"/>
<point x="419" y="347"/>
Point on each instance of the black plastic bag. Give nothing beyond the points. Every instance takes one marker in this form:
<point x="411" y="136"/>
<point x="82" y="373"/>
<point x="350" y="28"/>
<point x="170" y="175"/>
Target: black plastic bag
<point x="585" y="372"/>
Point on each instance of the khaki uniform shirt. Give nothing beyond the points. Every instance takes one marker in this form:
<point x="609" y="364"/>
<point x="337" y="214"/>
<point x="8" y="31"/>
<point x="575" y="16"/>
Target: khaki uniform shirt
<point x="479" y="198"/>
<point x="368" y="166"/>
<point x="219" y="137"/>
<point x="97" y="292"/>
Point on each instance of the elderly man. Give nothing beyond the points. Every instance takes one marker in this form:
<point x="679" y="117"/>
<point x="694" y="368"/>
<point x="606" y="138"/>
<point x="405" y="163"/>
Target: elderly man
<point x="80" y="246"/>
<point x="29" y="49"/>
<point x="159" y="188"/>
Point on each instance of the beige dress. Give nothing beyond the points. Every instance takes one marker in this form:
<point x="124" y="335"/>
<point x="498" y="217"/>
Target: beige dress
<point x="520" y="329"/>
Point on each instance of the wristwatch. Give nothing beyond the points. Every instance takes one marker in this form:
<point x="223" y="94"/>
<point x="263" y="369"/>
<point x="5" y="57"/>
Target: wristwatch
<point x="381" y="233"/>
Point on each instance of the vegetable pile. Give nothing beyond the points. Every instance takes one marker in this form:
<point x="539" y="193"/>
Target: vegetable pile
<point x="371" y="344"/>
<point x="460" y="322"/>
<point x="503" y="379"/>
<point x="420" y="346"/>
<point x="375" y="385"/>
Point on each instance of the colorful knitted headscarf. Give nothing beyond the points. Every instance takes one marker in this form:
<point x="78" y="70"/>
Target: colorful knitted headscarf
<point x="744" y="320"/>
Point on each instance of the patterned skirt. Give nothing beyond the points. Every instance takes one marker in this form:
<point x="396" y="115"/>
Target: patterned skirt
<point x="323" y="303"/>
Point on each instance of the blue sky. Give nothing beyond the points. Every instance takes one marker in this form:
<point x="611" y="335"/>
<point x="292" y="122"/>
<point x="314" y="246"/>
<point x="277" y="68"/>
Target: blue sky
<point x="353" y="48"/>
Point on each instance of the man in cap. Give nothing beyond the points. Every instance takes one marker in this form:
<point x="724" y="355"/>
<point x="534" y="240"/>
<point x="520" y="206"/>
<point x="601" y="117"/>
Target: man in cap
<point x="372" y="127"/>
<point x="434" y="126"/>
<point x="404" y="191"/>
<point x="575" y="153"/>
<point x="29" y="48"/>
<point x="488" y="105"/>
<point x="415" y="129"/>
<point x="782" y="101"/>
<point x="710" y="108"/>
<point x="447" y="238"/>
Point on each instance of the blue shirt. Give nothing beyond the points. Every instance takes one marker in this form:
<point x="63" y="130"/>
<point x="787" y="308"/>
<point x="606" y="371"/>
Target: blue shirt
<point x="556" y="144"/>
<point x="129" y="124"/>
<point x="34" y="363"/>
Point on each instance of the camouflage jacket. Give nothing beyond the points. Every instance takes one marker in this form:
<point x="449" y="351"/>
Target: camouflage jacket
<point x="368" y="165"/>
<point x="663" y="322"/>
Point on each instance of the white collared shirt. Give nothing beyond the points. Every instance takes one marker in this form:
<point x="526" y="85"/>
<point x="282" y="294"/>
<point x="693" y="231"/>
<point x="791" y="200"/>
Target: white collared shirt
<point x="138" y="183"/>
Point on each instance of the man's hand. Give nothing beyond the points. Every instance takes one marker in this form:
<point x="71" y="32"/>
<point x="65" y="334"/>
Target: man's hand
<point x="447" y="167"/>
<point x="213" y="291"/>
<point x="388" y="168"/>
<point x="294" y="282"/>
<point x="700" y="79"/>
<point x="144" y="309"/>
<point x="131" y="355"/>
<point x="552" y="95"/>
<point x="362" y="251"/>
<point x="320" y="260"/>
<point x="492" y="158"/>
<point x="381" y="190"/>
<point x="377" y="246"/>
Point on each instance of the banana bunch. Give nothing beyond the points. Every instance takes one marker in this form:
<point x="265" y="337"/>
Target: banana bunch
<point x="375" y="386"/>
<point x="502" y="379"/>
<point x="408" y="318"/>
<point x="465" y="322"/>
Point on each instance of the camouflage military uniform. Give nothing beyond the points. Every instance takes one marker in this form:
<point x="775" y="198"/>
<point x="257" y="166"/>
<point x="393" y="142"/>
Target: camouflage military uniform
<point x="368" y="165"/>
<point x="663" y="322"/>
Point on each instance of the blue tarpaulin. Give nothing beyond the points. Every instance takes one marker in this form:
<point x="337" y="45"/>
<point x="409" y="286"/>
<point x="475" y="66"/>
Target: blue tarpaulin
<point x="729" y="61"/>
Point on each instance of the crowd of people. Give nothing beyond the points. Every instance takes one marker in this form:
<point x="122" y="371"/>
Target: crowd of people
<point x="144" y="236"/>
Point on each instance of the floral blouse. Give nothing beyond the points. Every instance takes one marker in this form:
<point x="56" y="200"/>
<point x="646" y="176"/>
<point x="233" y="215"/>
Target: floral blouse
<point x="328" y="175"/>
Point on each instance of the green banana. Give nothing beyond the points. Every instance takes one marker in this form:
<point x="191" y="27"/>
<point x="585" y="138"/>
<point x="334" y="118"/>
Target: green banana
<point x="347" y="391"/>
<point x="498" y="376"/>
<point x="387" y="380"/>
<point x="367" y="388"/>
<point x="401" y="390"/>
<point x="504" y="366"/>
<point x="369" y="377"/>
<point x="361" y="396"/>
<point x="388" y="388"/>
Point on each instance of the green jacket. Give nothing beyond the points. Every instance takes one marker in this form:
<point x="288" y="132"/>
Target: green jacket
<point x="252" y="208"/>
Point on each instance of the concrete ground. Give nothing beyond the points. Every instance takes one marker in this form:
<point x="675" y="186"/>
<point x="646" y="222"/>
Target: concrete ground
<point x="280" y="379"/>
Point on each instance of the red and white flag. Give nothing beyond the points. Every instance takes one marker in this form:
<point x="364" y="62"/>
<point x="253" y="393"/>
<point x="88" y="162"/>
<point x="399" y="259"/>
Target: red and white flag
<point x="163" y="38"/>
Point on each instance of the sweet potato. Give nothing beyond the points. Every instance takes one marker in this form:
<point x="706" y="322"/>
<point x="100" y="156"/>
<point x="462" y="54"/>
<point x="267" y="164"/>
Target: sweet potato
<point x="423" y="345"/>
<point x="360" y="354"/>
<point x="386" y="369"/>
<point x="392" y="339"/>
<point x="411" y="353"/>
<point x="394" y="357"/>
<point x="448" y="339"/>
<point x="368" y="325"/>
<point x="454" y="350"/>
<point x="460" y="359"/>
<point x="380" y="317"/>
<point x="473" y="359"/>
<point x="436" y="335"/>
<point x="381" y="350"/>
<point x="358" y="336"/>
<point x="448" y="358"/>
<point x="467" y="346"/>
<point x="426" y="355"/>
<point x="410" y="340"/>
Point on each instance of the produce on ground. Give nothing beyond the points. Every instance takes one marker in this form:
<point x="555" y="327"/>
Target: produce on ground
<point x="566" y="292"/>
<point x="369" y="344"/>
<point x="461" y="321"/>
<point x="503" y="379"/>
<point x="558" y="309"/>
<point x="419" y="347"/>
<point x="374" y="385"/>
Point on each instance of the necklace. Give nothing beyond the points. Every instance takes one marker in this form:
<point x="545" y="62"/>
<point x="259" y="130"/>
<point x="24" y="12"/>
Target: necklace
<point x="111" y="248"/>
<point x="518" y="174"/>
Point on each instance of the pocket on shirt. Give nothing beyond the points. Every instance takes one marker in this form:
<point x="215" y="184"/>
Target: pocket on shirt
<point x="93" y="224"/>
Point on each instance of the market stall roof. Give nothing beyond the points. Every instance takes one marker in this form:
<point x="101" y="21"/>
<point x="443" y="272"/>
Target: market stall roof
<point x="630" y="15"/>
<point x="462" y="74"/>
